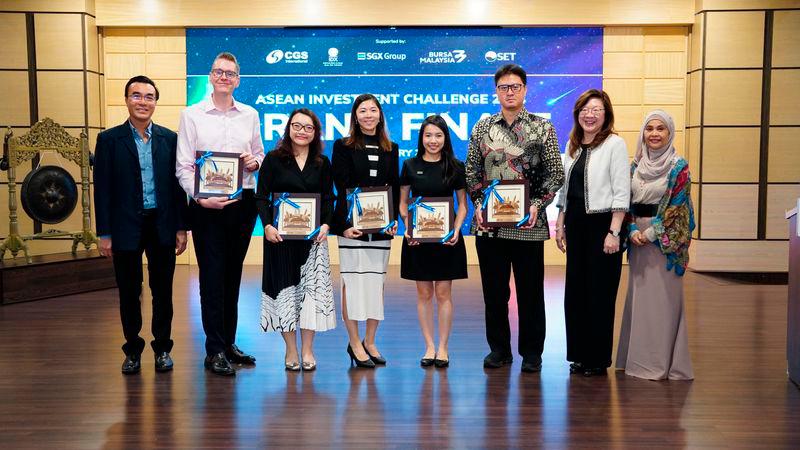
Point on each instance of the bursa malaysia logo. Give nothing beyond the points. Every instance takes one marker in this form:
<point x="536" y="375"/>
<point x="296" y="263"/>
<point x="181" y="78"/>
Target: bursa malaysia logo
<point x="287" y="56"/>
<point x="446" y="57"/>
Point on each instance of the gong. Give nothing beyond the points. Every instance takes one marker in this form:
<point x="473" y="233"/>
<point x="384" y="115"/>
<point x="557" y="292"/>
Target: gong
<point x="49" y="194"/>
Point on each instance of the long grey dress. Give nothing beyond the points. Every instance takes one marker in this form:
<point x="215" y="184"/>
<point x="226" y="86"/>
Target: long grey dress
<point x="653" y="341"/>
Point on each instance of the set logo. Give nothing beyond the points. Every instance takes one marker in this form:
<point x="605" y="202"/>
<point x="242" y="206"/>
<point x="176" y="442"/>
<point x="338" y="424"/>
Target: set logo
<point x="445" y="57"/>
<point x="333" y="58"/>
<point x="379" y="56"/>
<point x="493" y="56"/>
<point x="288" y="56"/>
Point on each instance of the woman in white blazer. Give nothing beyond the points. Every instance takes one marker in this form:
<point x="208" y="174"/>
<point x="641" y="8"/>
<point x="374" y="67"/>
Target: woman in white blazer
<point x="592" y="204"/>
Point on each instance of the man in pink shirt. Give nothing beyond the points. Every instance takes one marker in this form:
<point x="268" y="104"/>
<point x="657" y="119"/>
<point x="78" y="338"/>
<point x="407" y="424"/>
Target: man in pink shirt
<point x="221" y="226"/>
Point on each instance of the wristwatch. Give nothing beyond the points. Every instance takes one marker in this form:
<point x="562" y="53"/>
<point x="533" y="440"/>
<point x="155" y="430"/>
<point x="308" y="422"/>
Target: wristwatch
<point x="613" y="233"/>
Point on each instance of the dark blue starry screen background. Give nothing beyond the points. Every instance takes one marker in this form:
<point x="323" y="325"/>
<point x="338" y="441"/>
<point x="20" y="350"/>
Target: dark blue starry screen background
<point x="414" y="71"/>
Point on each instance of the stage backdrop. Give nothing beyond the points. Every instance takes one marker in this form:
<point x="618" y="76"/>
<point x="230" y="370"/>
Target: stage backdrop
<point x="415" y="72"/>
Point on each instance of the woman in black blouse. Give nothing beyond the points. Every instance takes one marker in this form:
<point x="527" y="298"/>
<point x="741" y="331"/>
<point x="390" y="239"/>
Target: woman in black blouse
<point x="434" y="172"/>
<point x="296" y="281"/>
<point x="364" y="158"/>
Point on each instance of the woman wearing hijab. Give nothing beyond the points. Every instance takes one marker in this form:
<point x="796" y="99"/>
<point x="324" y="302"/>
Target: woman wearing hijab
<point x="653" y="341"/>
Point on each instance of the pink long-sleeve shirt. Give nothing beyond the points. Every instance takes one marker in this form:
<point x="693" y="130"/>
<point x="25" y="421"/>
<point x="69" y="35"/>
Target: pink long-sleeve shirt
<point x="204" y="127"/>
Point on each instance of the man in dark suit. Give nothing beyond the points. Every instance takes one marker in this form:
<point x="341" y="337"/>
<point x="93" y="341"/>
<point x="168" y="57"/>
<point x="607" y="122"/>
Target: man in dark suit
<point x="140" y="207"/>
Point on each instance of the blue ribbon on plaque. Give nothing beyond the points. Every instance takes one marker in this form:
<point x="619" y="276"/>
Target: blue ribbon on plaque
<point x="390" y="225"/>
<point x="489" y="191"/>
<point x="417" y="203"/>
<point x="353" y="198"/>
<point x="524" y="219"/>
<point x="235" y="194"/>
<point x="284" y="198"/>
<point x="201" y="161"/>
<point x="309" y="236"/>
<point x="447" y="236"/>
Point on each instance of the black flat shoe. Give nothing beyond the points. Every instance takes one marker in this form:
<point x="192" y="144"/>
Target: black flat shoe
<point x="379" y="360"/>
<point x="219" y="365"/>
<point x="132" y="364"/>
<point x="367" y="363"/>
<point x="594" y="371"/>
<point x="441" y="363"/>
<point x="575" y="367"/>
<point x="163" y="362"/>
<point x="236" y="356"/>
<point x="495" y="360"/>
<point x="530" y="365"/>
<point x="427" y="362"/>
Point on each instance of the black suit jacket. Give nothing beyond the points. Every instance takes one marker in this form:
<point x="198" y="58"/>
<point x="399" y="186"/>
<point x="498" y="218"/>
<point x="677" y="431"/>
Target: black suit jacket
<point x="118" y="195"/>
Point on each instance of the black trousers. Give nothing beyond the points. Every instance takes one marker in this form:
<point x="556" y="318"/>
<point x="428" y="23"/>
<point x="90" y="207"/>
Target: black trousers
<point x="221" y="238"/>
<point x="160" y="270"/>
<point x="590" y="291"/>
<point x="497" y="257"/>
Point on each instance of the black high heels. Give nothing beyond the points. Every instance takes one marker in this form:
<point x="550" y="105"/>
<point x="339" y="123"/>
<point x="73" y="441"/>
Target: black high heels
<point x="379" y="360"/>
<point x="367" y="363"/>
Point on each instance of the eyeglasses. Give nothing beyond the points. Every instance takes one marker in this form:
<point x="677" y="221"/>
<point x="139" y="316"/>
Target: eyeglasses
<point x="149" y="98"/>
<point x="594" y="111"/>
<point x="514" y="87"/>
<point x="218" y="73"/>
<point x="297" y="126"/>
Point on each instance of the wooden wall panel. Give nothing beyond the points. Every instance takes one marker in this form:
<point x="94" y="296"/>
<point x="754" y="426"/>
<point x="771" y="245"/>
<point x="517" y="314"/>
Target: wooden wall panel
<point x="735" y="39"/>
<point x="92" y="49"/>
<point x="623" y="39"/>
<point x="785" y="51"/>
<point x="59" y="41"/>
<point x="170" y="66"/>
<point x="696" y="43"/>
<point x="665" y="91"/>
<point x="93" y="99"/>
<point x="665" y="65"/>
<point x="124" y="66"/>
<point x="693" y="153"/>
<point x="665" y="39"/>
<point x="61" y="97"/>
<point x="123" y="40"/>
<point x="694" y="194"/>
<point x="784" y="155"/>
<point x="623" y="65"/>
<point x="624" y="91"/>
<point x="785" y="97"/>
<point x="171" y="92"/>
<point x="628" y="118"/>
<point x="729" y="211"/>
<point x="739" y="256"/>
<point x="731" y="154"/>
<point x="780" y="198"/>
<point x="14" y="107"/>
<point x="165" y="40"/>
<point x="733" y="97"/>
<point x="694" y="98"/>
<point x="14" y="51"/>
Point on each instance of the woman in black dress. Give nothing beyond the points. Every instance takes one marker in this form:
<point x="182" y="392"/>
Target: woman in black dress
<point x="434" y="172"/>
<point x="364" y="158"/>
<point x="296" y="282"/>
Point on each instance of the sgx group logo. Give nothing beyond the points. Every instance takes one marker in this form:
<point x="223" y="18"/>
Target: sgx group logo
<point x="378" y="56"/>
<point x="446" y="57"/>
<point x="288" y="56"/>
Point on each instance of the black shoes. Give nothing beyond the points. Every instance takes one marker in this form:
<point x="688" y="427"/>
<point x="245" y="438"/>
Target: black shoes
<point x="379" y="360"/>
<point x="367" y="363"/>
<point x="219" y="365"/>
<point x="495" y="360"/>
<point x="531" y="365"/>
<point x="163" y="362"/>
<point x="594" y="371"/>
<point x="427" y="362"/>
<point x="575" y="367"/>
<point x="132" y="364"/>
<point x="236" y="356"/>
<point x="441" y="363"/>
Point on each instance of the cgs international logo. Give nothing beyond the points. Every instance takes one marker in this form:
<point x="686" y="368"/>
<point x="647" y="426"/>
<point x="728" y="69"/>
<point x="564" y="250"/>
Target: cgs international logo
<point x="493" y="56"/>
<point x="446" y="57"/>
<point x="288" y="56"/>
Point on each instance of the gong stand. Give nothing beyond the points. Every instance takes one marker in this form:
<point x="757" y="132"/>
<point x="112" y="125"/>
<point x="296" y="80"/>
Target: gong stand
<point x="45" y="135"/>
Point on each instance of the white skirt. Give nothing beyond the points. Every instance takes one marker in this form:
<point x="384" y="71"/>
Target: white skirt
<point x="363" y="269"/>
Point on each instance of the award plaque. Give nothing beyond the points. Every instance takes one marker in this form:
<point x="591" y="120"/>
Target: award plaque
<point x="370" y="208"/>
<point x="217" y="174"/>
<point x="434" y="219"/>
<point x="297" y="222"/>
<point x="515" y="204"/>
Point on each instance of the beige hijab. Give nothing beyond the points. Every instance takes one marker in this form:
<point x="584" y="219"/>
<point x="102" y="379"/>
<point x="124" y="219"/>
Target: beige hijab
<point x="652" y="164"/>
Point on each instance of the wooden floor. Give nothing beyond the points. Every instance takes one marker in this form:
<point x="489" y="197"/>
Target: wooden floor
<point x="60" y="385"/>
